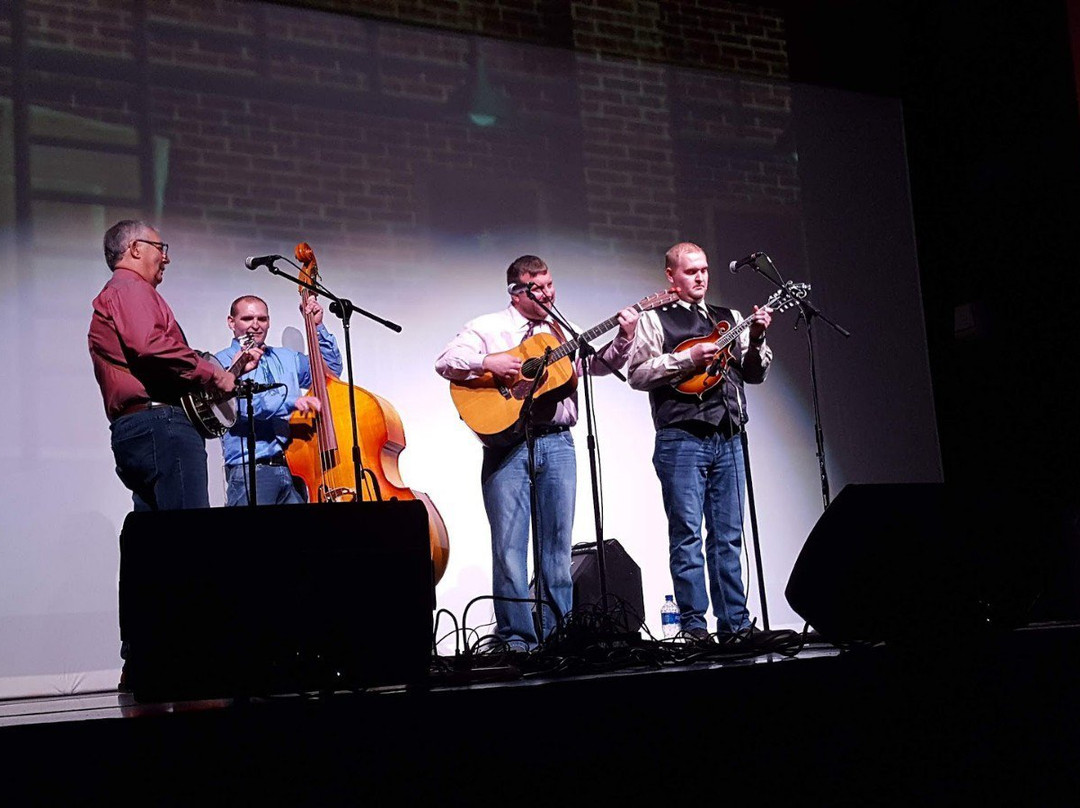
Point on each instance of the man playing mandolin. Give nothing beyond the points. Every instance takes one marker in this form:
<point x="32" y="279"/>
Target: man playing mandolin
<point x="698" y="454"/>
<point x="479" y="351"/>
<point x="291" y="373"/>
<point x="144" y="365"/>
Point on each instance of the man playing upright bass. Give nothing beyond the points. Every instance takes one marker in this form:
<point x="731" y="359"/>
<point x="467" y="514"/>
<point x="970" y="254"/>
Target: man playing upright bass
<point x="287" y="373"/>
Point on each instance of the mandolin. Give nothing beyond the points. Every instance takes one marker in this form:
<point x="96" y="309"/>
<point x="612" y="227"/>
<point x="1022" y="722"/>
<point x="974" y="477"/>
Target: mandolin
<point x="698" y="382"/>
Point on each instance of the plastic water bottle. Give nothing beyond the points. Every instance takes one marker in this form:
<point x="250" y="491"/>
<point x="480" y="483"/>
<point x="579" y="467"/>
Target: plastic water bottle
<point x="669" y="616"/>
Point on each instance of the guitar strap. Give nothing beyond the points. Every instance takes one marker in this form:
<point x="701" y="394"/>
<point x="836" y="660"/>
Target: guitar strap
<point x="559" y="335"/>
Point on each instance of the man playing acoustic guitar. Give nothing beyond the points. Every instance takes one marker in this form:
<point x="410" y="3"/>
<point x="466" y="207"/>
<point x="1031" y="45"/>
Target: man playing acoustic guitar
<point x="479" y="352"/>
<point x="698" y="454"/>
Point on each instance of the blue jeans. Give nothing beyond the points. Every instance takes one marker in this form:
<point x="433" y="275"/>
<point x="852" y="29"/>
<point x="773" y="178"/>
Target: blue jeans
<point x="702" y="478"/>
<point x="273" y="486"/>
<point x="161" y="459"/>
<point x="505" y="484"/>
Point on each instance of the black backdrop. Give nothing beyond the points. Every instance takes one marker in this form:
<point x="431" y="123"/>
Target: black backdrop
<point x="991" y="123"/>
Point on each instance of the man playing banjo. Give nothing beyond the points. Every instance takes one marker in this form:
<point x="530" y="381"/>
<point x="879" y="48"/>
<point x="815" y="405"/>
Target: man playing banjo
<point x="144" y="366"/>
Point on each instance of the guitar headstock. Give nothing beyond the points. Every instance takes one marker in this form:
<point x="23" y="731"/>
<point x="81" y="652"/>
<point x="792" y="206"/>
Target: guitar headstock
<point x="656" y="301"/>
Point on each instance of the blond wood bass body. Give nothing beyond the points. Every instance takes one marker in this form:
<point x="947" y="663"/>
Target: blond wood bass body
<point x="381" y="438"/>
<point x="492" y="409"/>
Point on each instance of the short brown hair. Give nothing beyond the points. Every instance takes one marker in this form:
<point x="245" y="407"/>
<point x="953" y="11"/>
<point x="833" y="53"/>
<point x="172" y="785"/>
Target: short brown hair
<point x="525" y="265"/>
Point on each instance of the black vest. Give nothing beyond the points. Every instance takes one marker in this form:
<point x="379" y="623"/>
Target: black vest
<point x="723" y="406"/>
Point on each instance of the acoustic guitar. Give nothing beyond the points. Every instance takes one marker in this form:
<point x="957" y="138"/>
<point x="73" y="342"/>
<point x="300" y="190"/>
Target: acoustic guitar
<point x="698" y="382"/>
<point x="492" y="408"/>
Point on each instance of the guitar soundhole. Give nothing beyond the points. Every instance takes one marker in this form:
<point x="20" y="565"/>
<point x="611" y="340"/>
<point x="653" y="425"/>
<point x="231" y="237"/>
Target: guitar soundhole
<point x="530" y="367"/>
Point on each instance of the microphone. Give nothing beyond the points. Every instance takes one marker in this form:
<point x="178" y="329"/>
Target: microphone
<point x="245" y="386"/>
<point x="744" y="262"/>
<point x="256" y="261"/>
<point x="518" y="288"/>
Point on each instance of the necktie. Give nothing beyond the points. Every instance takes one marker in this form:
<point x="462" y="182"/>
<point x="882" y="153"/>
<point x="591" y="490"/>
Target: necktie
<point x="534" y="326"/>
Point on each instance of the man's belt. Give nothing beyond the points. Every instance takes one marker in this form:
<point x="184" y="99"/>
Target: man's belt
<point x="701" y="429"/>
<point x="549" y="429"/>
<point x="139" y="406"/>
<point x="275" y="460"/>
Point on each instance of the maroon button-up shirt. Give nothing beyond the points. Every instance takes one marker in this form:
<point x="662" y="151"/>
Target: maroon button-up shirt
<point x="138" y="350"/>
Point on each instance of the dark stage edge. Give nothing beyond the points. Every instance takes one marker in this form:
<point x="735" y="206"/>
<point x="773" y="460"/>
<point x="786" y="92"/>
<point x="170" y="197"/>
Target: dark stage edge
<point x="992" y="718"/>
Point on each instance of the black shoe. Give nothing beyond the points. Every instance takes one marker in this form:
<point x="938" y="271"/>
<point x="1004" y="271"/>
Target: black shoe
<point x="697" y="635"/>
<point x="514" y="648"/>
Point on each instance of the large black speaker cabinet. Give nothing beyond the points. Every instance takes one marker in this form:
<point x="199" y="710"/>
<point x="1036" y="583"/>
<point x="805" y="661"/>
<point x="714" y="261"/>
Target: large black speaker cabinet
<point x="275" y="599"/>
<point x="623" y="583"/>
<point x="903" y="563"/>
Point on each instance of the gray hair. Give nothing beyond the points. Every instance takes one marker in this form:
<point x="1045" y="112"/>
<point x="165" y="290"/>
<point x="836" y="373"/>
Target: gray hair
<point x="119" y="237"/>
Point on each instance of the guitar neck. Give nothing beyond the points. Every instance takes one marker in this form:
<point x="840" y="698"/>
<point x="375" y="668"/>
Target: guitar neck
<point x="570" y="346"/>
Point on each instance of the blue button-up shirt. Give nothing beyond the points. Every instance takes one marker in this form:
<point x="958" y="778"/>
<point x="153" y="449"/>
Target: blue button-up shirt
<point x="273" y="408"/>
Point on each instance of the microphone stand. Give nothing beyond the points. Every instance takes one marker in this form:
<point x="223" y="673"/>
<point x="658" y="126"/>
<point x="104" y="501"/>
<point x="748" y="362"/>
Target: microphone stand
<point x="807" y="310"/>
<point x="248" y="393"/>
<point x="587" y="352"/>
<point x="247" y="388"/>
<point x="534" y="507"/>
<point x="344" y="308"/>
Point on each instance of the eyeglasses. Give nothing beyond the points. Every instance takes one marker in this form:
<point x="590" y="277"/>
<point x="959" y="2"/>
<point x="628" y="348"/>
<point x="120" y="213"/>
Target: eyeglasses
<point x="161" y="245"/>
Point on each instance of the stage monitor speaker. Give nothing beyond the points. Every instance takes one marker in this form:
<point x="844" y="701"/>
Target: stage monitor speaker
<point x="275" y="599"/>
<point x="887" y="562"/>
<point x="625" y="598"/>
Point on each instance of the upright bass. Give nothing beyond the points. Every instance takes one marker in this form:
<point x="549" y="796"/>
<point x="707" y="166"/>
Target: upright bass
<point x="321" y="450"/>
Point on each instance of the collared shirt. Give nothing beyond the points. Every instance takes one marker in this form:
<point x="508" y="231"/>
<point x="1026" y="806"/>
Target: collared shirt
<point x="650" y="367"/>
<point x="138" y="350"/>
<point x="463" y="357"/>
<point x="273" y="408"/>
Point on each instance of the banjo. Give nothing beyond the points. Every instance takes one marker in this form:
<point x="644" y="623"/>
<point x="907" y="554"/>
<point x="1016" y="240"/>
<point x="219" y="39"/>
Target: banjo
<point x="212" y="413"/>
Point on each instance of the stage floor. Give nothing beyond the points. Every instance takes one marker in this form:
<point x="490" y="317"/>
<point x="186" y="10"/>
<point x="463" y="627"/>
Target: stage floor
<point x="450" y="674"/>
<point x="993" y="719"/>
